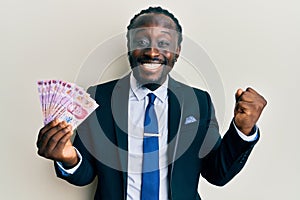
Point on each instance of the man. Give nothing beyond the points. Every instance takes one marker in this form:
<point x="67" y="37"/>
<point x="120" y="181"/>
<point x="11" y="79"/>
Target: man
<point x="118" y="143"/>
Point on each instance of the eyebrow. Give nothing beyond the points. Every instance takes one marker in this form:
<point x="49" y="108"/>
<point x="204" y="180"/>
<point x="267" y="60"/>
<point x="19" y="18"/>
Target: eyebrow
<point x="167" y="33"/>
<point x="143" y="29"/>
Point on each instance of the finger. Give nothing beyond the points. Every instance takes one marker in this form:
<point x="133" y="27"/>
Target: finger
<point x="258" y="97"/>
<point x="244" y="107"/>
<point x="253" y="93"/>
<point x="238" y="94"/>
<point x="249" y="96"/>
<point x="47" y="127"/>
<point x="251" y="90"/>
<point x="43" y="141"/>
<point x="63" y="140"/>
<point x="56" y="138"/>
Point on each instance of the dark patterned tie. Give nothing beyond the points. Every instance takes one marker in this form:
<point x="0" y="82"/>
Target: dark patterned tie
<point x="150" y="174"/>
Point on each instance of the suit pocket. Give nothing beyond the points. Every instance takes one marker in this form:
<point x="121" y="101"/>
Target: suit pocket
<point x="191" y="127"/>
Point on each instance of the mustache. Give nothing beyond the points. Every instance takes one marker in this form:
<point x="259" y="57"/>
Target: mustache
<point x="152" y="60"/>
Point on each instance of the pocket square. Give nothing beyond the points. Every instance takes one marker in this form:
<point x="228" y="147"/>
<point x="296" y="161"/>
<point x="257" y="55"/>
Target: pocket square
<point x="190" y="119"/>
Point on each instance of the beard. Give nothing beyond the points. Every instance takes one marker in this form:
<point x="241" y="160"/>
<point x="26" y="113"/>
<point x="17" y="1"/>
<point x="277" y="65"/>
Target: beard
<point x="149" y="77"/>
<point x="150" y="81"/>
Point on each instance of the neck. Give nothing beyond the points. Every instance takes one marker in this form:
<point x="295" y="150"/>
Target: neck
<point x="152" y="86"/>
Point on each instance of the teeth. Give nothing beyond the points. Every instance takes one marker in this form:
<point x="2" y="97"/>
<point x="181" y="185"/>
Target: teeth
<point x="151" y="65"/>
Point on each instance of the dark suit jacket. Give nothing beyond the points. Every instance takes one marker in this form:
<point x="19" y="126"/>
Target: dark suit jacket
<point x="193" y="148"/>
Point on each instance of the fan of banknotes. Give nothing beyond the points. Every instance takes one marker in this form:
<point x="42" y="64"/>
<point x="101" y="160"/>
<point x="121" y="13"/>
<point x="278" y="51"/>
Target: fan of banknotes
<point x="65" y="101"/>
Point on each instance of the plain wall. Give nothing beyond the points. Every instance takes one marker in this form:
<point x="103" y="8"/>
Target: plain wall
<point x="252" y="43"/>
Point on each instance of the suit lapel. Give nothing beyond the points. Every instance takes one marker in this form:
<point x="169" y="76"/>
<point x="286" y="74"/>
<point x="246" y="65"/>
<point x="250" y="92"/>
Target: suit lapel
<point x="119" y="104"/>
<point x="175" y="100"/>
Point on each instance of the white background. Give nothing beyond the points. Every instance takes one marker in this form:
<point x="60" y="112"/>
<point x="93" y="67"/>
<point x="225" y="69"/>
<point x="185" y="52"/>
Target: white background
<point x="252" y="43"/>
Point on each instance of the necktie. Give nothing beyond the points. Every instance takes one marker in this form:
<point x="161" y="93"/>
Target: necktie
<point x="150" y="174"/>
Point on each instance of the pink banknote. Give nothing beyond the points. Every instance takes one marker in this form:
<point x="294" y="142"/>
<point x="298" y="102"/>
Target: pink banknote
<point x="65" y="101"/>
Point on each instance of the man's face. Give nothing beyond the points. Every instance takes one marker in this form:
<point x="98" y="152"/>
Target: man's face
<point x="153" y="48"/>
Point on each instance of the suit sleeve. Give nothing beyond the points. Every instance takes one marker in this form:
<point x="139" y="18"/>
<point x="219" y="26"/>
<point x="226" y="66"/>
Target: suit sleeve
<point x="227" y="156"/>
<point x="85" y="173"/>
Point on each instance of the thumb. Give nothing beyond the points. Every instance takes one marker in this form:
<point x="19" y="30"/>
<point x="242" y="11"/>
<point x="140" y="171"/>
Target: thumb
<point x="238" y="94"/>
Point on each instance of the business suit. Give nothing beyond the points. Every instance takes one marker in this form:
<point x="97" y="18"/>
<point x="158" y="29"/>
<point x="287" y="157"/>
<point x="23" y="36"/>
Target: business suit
<point x="102" y="141"/>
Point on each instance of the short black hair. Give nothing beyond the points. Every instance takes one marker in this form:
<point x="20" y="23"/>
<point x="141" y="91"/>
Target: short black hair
<point x="157" y="10"/>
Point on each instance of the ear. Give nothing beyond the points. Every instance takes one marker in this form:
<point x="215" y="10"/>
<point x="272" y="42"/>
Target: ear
<point x="178" y="49"/>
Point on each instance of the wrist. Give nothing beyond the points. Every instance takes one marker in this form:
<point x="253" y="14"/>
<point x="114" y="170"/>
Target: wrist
<point x="71" y="163"/>
<point x="246" y="130"/>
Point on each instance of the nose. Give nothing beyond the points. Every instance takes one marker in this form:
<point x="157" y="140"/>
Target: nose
<point x="151" y="52"/>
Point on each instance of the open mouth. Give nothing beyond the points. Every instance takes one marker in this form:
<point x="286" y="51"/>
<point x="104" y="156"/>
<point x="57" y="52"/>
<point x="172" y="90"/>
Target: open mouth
<point x="151" y="66"/>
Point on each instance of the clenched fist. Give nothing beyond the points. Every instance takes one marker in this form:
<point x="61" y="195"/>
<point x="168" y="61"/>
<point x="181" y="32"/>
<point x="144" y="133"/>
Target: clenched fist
<point x="249" y="106"/>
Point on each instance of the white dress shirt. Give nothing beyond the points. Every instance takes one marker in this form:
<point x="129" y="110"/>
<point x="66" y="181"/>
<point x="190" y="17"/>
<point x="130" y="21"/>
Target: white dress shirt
<point x="137" y="104"/>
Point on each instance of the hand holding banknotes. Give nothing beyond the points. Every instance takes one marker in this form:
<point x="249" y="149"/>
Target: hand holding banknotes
<point x="54" y="143"/>
<point x="64" y="106"/>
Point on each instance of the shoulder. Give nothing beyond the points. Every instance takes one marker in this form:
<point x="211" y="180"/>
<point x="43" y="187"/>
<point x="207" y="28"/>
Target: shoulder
<point x="189" y="91"/>
<point x="102" y="86"/>
<point x="108" y="87"/>
<point x="102" y="92"/>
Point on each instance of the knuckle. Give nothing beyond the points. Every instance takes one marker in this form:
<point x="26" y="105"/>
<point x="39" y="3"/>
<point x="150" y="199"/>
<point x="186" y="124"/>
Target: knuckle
<point x="53" y="140"/>
<point x="41" y="131"/>
<point x="256" y="106"/>
<point x="61" y="143"/>
<point x="59" y="126"/>
<point x="47" y="154"/>
<point x="53" y="122"/>
<point x="65" y="130"/>
<point x="260" y="106"/>
<point x="39" y="152"/>
<point x="46" y="136"/>
<point x="264" y="101"/>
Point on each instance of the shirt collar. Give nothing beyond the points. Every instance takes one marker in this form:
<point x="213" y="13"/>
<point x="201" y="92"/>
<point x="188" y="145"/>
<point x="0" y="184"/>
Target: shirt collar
<point x="141" y="92"/>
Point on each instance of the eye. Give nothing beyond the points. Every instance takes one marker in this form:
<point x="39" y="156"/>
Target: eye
<point x="163" y="44"/>
<point x="142" y="43"/>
